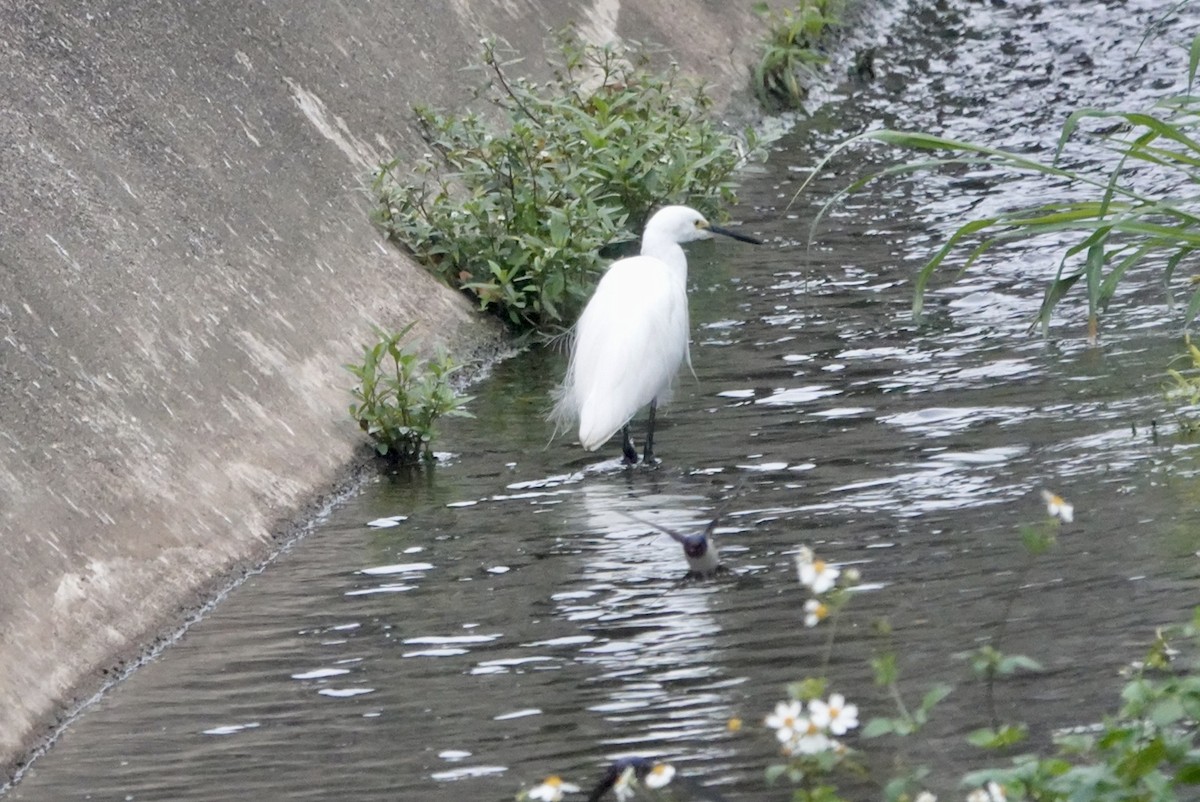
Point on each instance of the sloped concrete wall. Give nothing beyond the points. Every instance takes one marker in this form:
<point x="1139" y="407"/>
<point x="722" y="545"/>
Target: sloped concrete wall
<point x="186" y="261"/>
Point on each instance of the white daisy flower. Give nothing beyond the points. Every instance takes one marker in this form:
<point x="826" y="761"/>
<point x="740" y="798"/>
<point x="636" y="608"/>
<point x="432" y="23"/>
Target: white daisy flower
<point x="660" y="775"/>
<point x="818" y="576"/>
<point x="809" y="739"/>
<point x="1056" y="507"/>
<point x="815" y="612"/>
<point x="551" y="790"/>
<point x="804" y="556"/>
<point x="925" y="796"/>
<point x="785" y="720"/>
<point x="834" y="715"/>
<point x="992" y="792"/>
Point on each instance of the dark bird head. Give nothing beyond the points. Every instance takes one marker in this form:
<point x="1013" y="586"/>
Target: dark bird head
<point x="695" y="546"/>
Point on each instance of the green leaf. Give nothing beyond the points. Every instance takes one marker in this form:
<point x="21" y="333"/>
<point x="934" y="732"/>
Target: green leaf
<point x="885" y="669"/>
<point x="1192" y="308"/>
<point x="1001" y="738"/>
<point x="1037" y="538"/>
<point x="877" y="727"/>
<point x="1010" y="664"/>
<point x="1167" y="711"/>
<point x="775" y="771"/>
<point x="1054" y="293"/>
<point x="934" y="696"/>
<point x="1142" y="761"/>
<point x="1188" y="774"/>
<point x="1193" y="62"/>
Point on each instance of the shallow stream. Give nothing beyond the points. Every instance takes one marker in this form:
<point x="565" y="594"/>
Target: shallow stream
<point x="500" y="617"/>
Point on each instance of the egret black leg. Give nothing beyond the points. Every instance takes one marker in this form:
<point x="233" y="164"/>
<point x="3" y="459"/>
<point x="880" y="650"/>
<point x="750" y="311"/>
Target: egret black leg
<point x="648" y="454"/>
<point x="627" y="447"/>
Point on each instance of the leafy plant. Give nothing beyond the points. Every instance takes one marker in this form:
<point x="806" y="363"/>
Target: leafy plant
<point x="790" y="56"/>
<point x="1118" y="227"/>
<point x="1147" y="750"/>
<point x="519" y="217"/>
<point x="400" y="395"/>
<point x="807" y="728"/>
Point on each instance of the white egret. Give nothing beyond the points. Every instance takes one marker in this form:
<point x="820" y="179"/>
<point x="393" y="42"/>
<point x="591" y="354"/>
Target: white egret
<point x="633" y="334"/>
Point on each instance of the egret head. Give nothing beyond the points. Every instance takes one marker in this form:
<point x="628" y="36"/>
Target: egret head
<point x="684" y="224"/>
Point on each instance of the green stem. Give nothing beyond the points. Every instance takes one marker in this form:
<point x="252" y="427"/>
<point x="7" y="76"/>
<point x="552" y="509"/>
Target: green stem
<point x="998" y="637"/>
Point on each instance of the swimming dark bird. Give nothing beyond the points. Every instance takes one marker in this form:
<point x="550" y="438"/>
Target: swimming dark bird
<point x="700" y="549"/>
<point x="633" y="335"/>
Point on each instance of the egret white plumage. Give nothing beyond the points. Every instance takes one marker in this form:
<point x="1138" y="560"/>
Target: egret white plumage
<point x="633" y="334"/>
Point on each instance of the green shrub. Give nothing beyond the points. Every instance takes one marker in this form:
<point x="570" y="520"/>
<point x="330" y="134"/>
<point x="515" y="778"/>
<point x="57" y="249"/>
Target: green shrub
<point x="519" y="217"/>
<point x="790" y="56"/>
<point x="400" y="395"/>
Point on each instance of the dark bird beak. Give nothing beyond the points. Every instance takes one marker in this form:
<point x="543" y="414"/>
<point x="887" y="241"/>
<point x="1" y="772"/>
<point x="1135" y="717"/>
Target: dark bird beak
<point x="735" y="235"/>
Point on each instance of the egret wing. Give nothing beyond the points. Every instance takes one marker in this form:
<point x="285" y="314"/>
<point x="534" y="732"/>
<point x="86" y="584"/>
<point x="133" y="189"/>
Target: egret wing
<point x="629" y="343"/>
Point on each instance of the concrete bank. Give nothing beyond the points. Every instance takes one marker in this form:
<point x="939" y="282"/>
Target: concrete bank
<point x="186" y="261"/>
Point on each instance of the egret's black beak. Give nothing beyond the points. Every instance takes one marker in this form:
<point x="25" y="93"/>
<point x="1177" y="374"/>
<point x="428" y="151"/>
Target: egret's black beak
<point x="735" y="235"/>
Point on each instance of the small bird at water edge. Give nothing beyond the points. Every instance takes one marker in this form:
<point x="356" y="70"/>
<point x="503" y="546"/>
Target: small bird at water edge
<point x="700" y="549"/>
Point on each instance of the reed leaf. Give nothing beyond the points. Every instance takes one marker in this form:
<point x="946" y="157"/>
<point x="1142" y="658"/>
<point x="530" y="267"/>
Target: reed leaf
<point x="1116" y="229"/>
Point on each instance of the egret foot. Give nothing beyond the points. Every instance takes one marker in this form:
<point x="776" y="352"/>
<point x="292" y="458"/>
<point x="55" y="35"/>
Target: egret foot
<point x="627" y="449"/>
